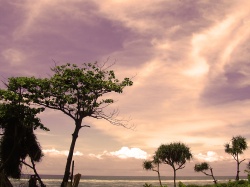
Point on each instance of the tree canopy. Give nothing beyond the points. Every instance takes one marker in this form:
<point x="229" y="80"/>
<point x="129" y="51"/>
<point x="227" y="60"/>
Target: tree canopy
<point x="175" y="155"/>
<point x="236" y="147"/>
<point x="153" y="165"/>
<point x="203" y="167"/>
<point x="17" y="121"/>
<point x="77" y="92"/>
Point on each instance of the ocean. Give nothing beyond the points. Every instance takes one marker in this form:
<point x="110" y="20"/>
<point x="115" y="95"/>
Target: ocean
<point x="121" y="181"/>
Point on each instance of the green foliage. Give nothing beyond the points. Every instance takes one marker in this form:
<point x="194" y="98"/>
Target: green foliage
<point x="174" y="154"/>
<point x="26" y="115"/>
<point x="147" y="185"/>
<point x="238" y="145"/>
<point x="181" y="184"/>
<point x="201" y="167"/>
<point x="73" y="90"/>
<point x="18" y="119"/>
<point x="76" y="91"/>
<point x="150" y="185"/>
<point x="240" y="183"/>
<point x="17" y="143"/>
<point x="18" y="140"/>
<point x="148" y="165"/>
<point x="154" y="166"/>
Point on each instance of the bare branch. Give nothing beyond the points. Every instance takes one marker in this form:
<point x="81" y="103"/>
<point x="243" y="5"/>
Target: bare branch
<point x="27" y="164"/>
<point x="85" y="126"/>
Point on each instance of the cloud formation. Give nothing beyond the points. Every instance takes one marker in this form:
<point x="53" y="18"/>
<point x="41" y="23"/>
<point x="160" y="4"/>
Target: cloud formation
<point x="126" y="152"/>
<point x="54" y="152"/>
<point x="210" y="156"/>
<point x="189" y="61"/>
<point x="123" y="153"/>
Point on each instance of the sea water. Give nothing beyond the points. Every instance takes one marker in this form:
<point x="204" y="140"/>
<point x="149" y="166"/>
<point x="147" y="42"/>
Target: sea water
<point x="122" y="181"/>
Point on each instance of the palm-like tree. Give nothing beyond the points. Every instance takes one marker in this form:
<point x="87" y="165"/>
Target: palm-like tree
<point x="203" y="167"/>
<point x="237" y="146"/>
<point x="175" y="155"/>
<point x="153" y="165"/>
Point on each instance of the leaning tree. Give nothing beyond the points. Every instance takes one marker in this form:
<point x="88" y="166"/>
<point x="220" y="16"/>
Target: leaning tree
<point x="237" y="146"/>
<point x="203" y="167"/>
<point x="77" y="92"/>
<point x="153" y="165"/>
<point x="175" y="155"/>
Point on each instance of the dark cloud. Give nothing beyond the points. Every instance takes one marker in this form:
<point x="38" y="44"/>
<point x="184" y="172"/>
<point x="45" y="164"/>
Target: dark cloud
<point x="60" y="35"/>
<point x="230" y="86"/>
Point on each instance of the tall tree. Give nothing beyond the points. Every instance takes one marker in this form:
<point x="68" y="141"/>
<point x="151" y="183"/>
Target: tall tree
<point x="18" y="141"/>
<point x="237" y="146"/>
<point x="175" y="155"/>
<point x="203" y="167"/>
<point x="77" y="92"/>
<point x="153" y="165"/>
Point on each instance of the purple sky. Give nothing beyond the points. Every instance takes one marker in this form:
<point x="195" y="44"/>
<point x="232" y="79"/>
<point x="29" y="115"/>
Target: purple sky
<point x="190" y="65"/>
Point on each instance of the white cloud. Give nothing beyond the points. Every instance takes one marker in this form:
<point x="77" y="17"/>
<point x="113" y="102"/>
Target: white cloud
<point x="126" y="152"/>
<point x="54" y="152"/>
<point x="123" y="153"/>
<point x="210" y="156"/>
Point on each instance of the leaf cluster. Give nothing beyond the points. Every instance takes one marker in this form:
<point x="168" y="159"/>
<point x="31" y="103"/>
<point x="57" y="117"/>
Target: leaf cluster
<point x="73" y="90"/>
<point x="237" y="146"/>
<point x="174" y="154"/>
<point x="17" y="142"/>
<point x="201" y="167"/>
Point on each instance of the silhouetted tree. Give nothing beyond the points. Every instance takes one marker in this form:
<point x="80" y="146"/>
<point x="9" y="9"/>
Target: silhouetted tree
<point x="77" y="92"/>
<point x="237" y="146"/>
<point x="175" y="155"/>
<point x="18" y="141"/>
<point x="153" y="165"/>
<point x="203" y="167"/>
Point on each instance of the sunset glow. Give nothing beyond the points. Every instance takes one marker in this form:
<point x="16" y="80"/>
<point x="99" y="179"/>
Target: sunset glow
<point x="189" y="61"/>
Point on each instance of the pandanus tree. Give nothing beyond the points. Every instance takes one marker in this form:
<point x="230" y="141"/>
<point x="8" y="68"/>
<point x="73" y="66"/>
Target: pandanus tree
<point x="174" y="155"/>
<point x="203" y="167"/>
<point x="237" y="146"/>
<point x="76" y="92"/>
<point x="153" y="165"/>
<point x="18" y="141"/>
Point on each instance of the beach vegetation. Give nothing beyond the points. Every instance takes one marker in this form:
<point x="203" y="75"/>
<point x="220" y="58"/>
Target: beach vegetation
<point x="239" y="183"/>
<point x="76" y="92"/>
<point x="153" y="165"/>
<point x="236" y="147"/>
<point x="175" y="155"/>
<point x="203" y="167"/>
<point x="18" y="120"/>
<point x="248" y="171"/>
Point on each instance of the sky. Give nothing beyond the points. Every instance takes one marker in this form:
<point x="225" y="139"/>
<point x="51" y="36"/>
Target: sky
<point x="188" y="59"/>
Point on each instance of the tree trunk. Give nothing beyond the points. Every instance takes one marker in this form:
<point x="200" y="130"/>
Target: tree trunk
<point x="159" y="177"/>
<point x="238" y="171"/>
<point x="212" y="174"/>
<point x="238" y="168"/>
<point x="37" y="175"/>
<point x="174" y="177"/>
<point x="71" y="151"/>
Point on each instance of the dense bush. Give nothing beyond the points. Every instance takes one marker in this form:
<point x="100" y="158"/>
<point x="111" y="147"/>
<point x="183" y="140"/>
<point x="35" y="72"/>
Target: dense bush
<point x="240" y="183"/>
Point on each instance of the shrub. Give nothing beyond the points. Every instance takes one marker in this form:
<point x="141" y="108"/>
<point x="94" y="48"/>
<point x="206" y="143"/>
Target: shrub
<point x="147" y="185"/>
<point x="181" y="184"/>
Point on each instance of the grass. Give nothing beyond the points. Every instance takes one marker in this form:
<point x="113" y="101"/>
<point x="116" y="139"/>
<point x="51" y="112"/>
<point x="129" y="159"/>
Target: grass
<point x="240" y="183"/>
